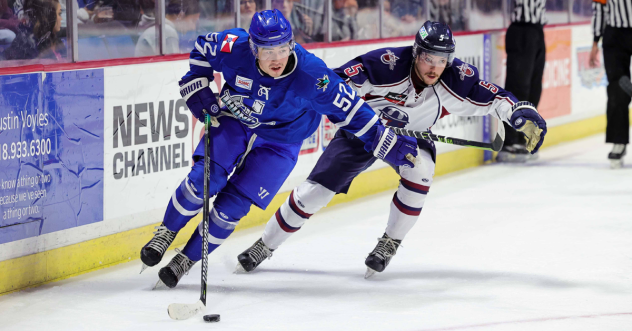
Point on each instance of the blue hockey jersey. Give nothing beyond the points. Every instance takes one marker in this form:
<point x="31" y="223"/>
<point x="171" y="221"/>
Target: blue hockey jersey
<point x="382" y="77"/>
<point x="286" y="109"/>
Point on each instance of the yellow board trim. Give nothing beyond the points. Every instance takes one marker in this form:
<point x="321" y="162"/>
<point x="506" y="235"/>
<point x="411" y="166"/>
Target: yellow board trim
<point x="64" y="262"/>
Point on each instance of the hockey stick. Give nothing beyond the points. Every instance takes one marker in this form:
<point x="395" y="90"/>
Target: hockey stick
<point x="626" y="85"/>
<point x="182" y="311"/>
<point x="495" y="145"/>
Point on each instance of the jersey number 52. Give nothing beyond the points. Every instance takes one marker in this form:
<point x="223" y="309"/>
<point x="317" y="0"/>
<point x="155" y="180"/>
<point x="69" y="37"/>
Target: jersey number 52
<point x="342" y="102"/>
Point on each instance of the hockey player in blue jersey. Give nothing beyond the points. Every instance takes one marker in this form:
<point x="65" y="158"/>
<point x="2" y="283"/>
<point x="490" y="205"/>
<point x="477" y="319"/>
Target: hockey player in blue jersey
<point x="409" y="87"/>
<point x="275" y="95"/>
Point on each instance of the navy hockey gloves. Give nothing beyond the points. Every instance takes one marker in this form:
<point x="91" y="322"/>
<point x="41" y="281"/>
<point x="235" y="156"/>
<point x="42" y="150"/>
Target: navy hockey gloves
<point x="393" y="148"/>
<point x="199" y="97"/>
<point x="525" y="118"/>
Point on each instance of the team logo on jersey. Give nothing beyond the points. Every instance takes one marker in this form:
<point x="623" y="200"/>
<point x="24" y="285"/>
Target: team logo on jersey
<point x="243" y="108"/>
<point x="390" y="59"/>
<point x="393" y="116"/>
<point x="263" y="90"/>
<point x="227" y="44"/>
<point x="243" y="82"/>
<point x="322" y="83"/>
<point x="465" y="70"/>
<point x="396" y="98"/>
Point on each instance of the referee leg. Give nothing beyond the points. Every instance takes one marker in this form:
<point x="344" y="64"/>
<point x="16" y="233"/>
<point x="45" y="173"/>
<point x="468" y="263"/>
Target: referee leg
<point x="538" y="70"/>
<point x="616" y="53"/>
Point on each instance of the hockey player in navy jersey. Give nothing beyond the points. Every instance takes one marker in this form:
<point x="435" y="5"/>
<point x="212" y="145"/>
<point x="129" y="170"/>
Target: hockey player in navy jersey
<point x="275" y="95"/>
<point x="408" y="87"/>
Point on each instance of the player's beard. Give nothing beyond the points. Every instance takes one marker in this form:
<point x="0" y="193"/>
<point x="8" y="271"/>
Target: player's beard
<point x="434" y="80"/>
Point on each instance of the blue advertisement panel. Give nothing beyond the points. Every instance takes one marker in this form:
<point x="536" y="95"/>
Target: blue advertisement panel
<point x="51" y="152"/>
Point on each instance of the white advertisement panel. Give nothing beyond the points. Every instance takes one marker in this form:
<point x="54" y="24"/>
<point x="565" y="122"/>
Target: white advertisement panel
<point x="588" y="86"/>
<point x="148" y="145"/>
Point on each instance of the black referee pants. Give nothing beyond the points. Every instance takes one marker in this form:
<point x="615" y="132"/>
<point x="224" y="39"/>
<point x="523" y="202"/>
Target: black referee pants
<point x="526" y="55"/>
<point x="617" y="50"/>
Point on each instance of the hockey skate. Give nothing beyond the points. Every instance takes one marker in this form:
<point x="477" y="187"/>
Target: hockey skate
<point x="379" y="258"/>
<point x="253" y="256"/>
<point x="173" y="272"/>
<point x="616" y="156"/>
<point x="151" y="254"/>
<point x="516" y="153"/>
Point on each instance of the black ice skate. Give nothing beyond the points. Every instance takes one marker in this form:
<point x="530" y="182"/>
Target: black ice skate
<point x="151" y="254"/>
<point x="516" y="153"/>
<point x="173" y="272"/>
<point x="380" y="257"/>
<point x="616" y="156"/>
<point x="253" y="256"/>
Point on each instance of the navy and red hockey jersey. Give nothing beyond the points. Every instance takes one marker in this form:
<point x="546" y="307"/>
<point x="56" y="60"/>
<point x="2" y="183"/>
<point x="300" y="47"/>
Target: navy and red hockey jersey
<point x="382" y="78"/>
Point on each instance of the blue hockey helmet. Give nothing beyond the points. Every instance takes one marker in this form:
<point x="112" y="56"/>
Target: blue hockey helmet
<point x="435" y="38"/>
<point x="269" y="29"/>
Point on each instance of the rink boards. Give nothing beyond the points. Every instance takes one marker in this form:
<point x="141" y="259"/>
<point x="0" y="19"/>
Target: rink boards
<point x="89" y="158"/>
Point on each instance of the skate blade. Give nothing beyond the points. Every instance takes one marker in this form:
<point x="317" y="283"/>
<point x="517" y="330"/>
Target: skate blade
<point x="512" y="158"/>
<point x="159" y="285"/>
<point x="143" y="268"/>
<point x="239" y="269"/>
<point x="369" y="272"/>
<point x="616" y="164"/>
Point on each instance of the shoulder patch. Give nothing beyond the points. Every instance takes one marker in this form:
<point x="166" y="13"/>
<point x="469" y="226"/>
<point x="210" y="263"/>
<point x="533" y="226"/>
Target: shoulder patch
<point x="322" y="83"/>
<point x="390" y="59"/>
<point x="227" y="44"/>
<point x="243" y="82"/>
<point x="465" y="70"/>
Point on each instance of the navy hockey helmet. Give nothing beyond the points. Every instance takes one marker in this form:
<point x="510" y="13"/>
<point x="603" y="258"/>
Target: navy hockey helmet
<point x="269" y="29"/>
<point x="435" y="38"/>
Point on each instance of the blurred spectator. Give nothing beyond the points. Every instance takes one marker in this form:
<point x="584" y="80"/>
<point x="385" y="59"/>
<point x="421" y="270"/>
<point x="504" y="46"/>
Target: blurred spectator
<point x="8" y="23"/>
<point x="181" y="16"/>
<point x="147" y="17"/>
<point x="37" y="35"/>
<point x="247" y="9"/>
<point x="450" y="12"/>
<point x="369" y="16"/>
<point x="302" y="23"/>
<point x="316" y="10"/>
<point x="344" y="25"/>
<point x="125" y="12"/>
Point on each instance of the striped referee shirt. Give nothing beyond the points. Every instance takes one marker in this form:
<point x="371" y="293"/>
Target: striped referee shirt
<point x="529" y="11"/>
<point x="615" y="13"/>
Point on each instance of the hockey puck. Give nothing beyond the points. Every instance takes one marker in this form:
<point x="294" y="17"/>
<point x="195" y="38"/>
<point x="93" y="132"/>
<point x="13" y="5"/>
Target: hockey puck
<point x="211" y="318"/>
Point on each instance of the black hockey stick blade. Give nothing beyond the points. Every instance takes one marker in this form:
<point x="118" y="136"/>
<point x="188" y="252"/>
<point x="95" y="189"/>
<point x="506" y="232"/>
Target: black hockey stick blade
<point x="626" y="85"/>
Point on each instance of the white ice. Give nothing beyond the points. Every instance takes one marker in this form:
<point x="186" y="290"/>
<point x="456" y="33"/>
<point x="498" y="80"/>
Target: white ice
<point x="546" y="246"/>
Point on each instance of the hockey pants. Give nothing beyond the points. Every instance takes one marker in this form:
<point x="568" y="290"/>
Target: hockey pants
<point x="236" y="148"/>
<point x="309" y="197"/>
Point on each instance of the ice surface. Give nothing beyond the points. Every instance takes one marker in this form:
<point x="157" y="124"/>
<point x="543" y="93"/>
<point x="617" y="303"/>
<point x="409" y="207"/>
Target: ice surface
<point x="546" y="246"/>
